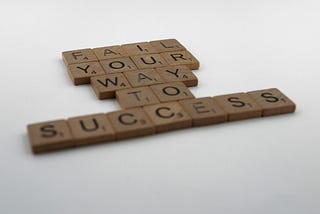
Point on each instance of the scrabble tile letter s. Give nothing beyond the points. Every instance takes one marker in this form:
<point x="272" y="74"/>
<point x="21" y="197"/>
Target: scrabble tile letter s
<point x="273" y="101"/>
<point x="50" y="135"/>
<point x="239" y="106"/>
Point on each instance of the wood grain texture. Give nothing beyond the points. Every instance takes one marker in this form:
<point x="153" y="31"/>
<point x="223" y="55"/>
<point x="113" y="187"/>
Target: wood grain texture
<point x="139" y="48"/>
<point x="136" y="97"/>
<point x="239" y="106"/>
<point x="118" y="65"/>
<point x="110" y="52"/>
<point x="171" y="91"/>
<point x="180" y="73"/>
<point x="49" y="136"/>
<point x="272" y="101"/>
<point x="168" y="116"/>
<point x="105" y="86"/>
<point x="90" y="129"/>
<point x="204" y="111"/>
<point x="167" y="45"/>
<point x="143" y="77"/>
<point x="81" y="73"/>
<point x="78" y="56"/>
<point x="130" y="123"/>
<point x="181" y="58"/>
<point x="149" y="61"/>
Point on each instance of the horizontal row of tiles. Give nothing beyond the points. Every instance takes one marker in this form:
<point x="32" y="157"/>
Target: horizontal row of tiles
<point x="80" y="73"/>
<point x="139" y="78"/>
<point x="129" y="86"/>
<point x="149" y="95"/>
<point x="129" y="123"/>
<point x="118" y="51"/>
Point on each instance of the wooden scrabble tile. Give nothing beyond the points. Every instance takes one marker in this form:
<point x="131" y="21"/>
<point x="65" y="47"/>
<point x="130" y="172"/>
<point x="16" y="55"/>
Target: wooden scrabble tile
<point x="149" y="61"/>
<point x="118" y="65"/>
<point x="139" y="48"/>
<point x="204" y="111"/>
<point x="81" y="73"/>
<point x="143" y="77"/>
<point x="130" y="123"/>
<point x="136" y="97"/>
<point x="110" y="52"/>
<point x="167" y="45"/>
<point x="272" y="101"/>
<point x="51" y="135"/>
<point x="78" y="56"/>
<point x="168" y="116"/>
<point x="91" y="129"/>
<point x="105" y="86"/>
<point x="181" y="58"/>
<point x="239" y="106"/>
<point x="180" y="73"/>
<point x="171" y="91"/>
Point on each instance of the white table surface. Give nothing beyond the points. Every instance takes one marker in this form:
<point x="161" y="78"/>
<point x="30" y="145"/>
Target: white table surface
<point x="266" y="166"/>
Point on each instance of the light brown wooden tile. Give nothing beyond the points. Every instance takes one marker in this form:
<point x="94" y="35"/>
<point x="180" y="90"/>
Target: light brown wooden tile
<point x="136" y="97"/>
<point x="149" y="61"/>
<point x="167" y="45"/>
<point x="143" y="77"/>
<point x="91" y="129"/>
<point x="272" y="101"/>
<point x="181" y="58"/>
<point x="110" y="52"/>
<point x="118" y="65"/>
<point x="81" y="73"/>
<point x="105" y="86"/>
<point x="139" y="48"/>
<point x="180" y="73"/>
<point x="168" y="116"/>
<point x="239" y="106"/>
<point x="130" y="123"/>
<point x="78" y="56"/>
<point x="171" y="91"/>
<point x="48" y="136"/>
<point x="204" y="111"/>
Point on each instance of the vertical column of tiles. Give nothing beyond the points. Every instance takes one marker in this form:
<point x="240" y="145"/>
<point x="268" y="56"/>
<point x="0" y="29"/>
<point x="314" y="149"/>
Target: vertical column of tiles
<point x="178" y="74"/>
<point x="171" y="91"/>
<point x="91" y="129"/>
<point x="130" y="123"/>
<point x="143" y="77"/>
<point x="239" y="106"/>
<point x="52" y="135"/>
<point x="168" y="116"/>
<point x="136" y="97"/>
<point x="204" y="111"/>
<point x="272" y="101"/>
<point x="106" y="85"/>
<point x="81" y="73"/>
<point x="181" y="58"/>
<point x="167" y="45"/>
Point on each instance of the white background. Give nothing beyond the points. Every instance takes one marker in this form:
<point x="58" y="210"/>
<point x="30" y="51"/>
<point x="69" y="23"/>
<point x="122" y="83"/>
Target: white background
<point x="266" y="166"/>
